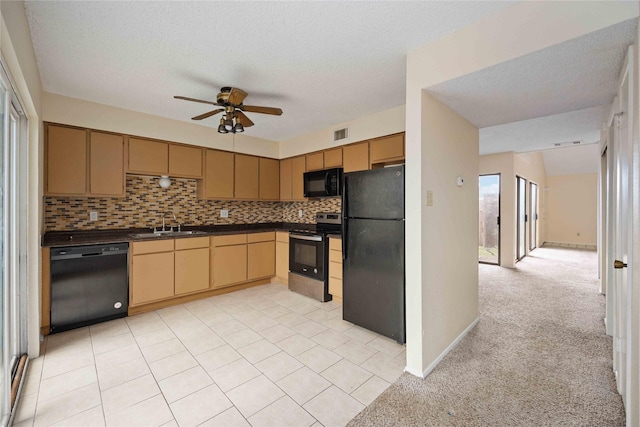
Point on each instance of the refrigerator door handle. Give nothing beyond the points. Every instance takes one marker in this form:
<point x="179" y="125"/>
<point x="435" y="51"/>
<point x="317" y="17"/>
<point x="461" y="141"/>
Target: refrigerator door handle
<point x="345" y="222"/>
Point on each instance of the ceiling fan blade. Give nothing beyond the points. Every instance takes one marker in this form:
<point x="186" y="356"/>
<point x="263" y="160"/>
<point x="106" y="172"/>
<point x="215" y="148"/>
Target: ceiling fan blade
<point x="243" y="119"/>
<point x="209" y="114"/>
<point x="236" y="96"/>
<point x="195" y="100"/>
<point x="261" y="110"/>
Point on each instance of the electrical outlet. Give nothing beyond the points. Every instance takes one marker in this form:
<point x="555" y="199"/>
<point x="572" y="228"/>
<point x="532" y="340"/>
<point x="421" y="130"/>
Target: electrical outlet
<point x="300" y="213"/>
<point x="224" y="213"/>
<point x="429" y="198"/>
<point x="93" y="216"/>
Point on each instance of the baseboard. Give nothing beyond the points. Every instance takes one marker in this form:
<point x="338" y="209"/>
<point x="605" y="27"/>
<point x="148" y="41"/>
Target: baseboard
<point x="570" y="245"/>
<point x="446" y="351"/>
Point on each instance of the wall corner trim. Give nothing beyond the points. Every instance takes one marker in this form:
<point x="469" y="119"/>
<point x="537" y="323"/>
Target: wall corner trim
<point x="446" y="351"/>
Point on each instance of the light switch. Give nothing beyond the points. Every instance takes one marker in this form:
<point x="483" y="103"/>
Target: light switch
<point x="429" y="198"/>
<point x="93" y="216"/>
<point x="224" y="213"/>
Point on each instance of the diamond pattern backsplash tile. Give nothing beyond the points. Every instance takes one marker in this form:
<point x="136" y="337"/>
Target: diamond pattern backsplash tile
<point x="146" y="202"/>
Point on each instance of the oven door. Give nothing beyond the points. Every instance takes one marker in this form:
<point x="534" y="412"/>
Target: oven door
<point x="307" y="255"/>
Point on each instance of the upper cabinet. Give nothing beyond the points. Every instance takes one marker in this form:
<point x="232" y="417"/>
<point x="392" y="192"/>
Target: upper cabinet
<point x="161" y="158"/>
<point x="333" y="158"/>
<point x="185" y="161"/>
<point x="355" y="157"/>
<point x="97" y="159"/>
<point x="106" y="164"/>
<point x="247" y="177"/>
<point x="291" y="178"/>
<point x="218" y="175"/>
<point x="269" y="179"/>
<point x="315" y="161"/>
<point x="147" y="156"/>
<point x="388" y="149"/>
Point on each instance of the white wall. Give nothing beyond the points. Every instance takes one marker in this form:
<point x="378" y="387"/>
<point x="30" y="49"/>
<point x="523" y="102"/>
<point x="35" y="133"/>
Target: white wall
<point x="521" y="29"/>
<point x="78" y="112"/>
<point x="17" y="51"/>
<point x="572" y="208"/>
<point x="366" y="127"/>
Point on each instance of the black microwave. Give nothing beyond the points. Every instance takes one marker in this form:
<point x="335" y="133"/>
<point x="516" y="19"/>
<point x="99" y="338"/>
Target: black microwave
<point x="324" y="183"/>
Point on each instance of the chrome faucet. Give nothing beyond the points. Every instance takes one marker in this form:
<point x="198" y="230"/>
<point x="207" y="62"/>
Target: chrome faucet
<point x="174" y="218"/>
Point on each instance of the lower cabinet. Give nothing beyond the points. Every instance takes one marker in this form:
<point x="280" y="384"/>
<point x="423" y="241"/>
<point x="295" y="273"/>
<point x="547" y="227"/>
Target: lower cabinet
<point x="191" y="265"/>
<point x="335" y="268"/>
<point x="229" y="260"/>
<point x="261" y="255"/>
<point x="282" y="256"/>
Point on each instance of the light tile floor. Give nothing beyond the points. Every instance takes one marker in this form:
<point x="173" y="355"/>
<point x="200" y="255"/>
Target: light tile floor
<point x="263" y="356"/>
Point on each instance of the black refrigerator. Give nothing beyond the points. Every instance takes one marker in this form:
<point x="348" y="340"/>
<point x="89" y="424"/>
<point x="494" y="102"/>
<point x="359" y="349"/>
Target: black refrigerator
<point x="373" y="294"/>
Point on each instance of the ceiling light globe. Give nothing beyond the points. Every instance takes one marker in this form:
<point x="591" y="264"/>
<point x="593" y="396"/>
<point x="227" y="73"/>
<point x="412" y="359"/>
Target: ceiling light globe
<point x="222" y="129"/>
<point x="238" y="128"/>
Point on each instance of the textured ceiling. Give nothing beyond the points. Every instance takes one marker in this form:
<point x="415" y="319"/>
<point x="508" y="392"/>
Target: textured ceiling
<point x="321" y="62"/>
<point x="574" y="75"/>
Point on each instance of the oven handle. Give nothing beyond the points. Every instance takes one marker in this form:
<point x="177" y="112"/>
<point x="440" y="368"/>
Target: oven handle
<point x="301" y="237"/>
<point x="326" y="184"/>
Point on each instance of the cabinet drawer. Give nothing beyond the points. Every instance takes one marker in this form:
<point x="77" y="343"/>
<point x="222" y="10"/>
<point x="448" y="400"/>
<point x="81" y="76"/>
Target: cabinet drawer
<point x="261" y="237"/>
<point x="335" y="270"/>
<point x="192" y="243"/>
<point x="138" y="248"/>
<point x="282" y="236"/>
<point x="335" y="244"/>
<point x="335" y="256"/>
<point x="231" y="239"/>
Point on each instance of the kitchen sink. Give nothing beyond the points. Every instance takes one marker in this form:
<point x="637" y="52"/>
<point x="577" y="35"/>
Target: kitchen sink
<point x="155" y="234"/>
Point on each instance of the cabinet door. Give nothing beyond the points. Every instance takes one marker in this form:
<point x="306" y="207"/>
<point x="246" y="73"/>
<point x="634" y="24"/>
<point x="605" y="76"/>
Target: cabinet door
<point x="333" y="158"/>
<point x="66" y="161"/>
<point x="315" y="161"/>
<point x="191" y="270"/>
<point x="106" y="170"/>
<point x="148" y="156"/>
<point x="387" y="148"/>
<point x="229" y="265"/>
<point x="185" y="161"/>
<point x="218" y="175"/>
<point x="151" y="277"/>
<point x="246" y="176"/>
<point x="269" y="179"/>
<point x="355" y="157"/>
<point x="297" y="178"/>
<point x="282" y="261"/>
<point x="285" y="179"/>
<point x="261" y="260"/>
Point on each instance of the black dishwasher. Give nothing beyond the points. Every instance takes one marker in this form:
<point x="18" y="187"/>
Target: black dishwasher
<point x="89" y="284"/>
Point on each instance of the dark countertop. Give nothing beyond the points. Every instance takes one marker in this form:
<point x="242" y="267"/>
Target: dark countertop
<point x="92" y="237"/>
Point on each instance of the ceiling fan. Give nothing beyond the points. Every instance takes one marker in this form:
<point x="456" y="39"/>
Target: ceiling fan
<point x="234" y="120"/>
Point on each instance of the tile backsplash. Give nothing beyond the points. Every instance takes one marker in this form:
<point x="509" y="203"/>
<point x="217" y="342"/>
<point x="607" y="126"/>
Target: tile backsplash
<point x="146" y="202"/>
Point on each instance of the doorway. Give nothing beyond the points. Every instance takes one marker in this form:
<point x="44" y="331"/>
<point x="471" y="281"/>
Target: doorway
<point x="489" y="219"/>
<point x="521" y="218"/>
<point x="533" y="215"/>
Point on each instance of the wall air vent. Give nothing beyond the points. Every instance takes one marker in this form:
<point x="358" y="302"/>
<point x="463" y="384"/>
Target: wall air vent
<point x="562" y="144"/>
<point x="341" y="134"/>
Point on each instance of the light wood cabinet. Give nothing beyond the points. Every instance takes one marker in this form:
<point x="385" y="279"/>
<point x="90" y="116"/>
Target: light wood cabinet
<point x="261" y="260"/>
<point x="246" y="177"/>
<point x="333" y="158"/>
<point x="285" y="179"/>
<point x="191" y="270"/>
<point x="269" y="179"/>
<point x="355" y="157"/>
<point x="297" y="178"/>
<point x="66" y="161"/>
<point x="218" y="175"/>
<point x="282" y="256"/>
<point x="106" y="164"/>
<point x="228" y="260"/>
<point x="185" y="161"/>
<point x="152" y="271"/>
<point x="387" y="149"/>
<point x="315" y="161"/>
<point x="146" y="156"/>
<point x="335" y="268"/>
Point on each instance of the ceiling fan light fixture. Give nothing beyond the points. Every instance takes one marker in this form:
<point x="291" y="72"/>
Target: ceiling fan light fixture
<point x="222" y="128"/>
<point x="238" y="128"/>
<point x="228" y="124"/>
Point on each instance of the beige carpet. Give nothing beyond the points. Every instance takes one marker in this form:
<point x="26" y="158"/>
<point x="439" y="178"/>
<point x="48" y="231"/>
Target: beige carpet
<point x="538" y="356"/>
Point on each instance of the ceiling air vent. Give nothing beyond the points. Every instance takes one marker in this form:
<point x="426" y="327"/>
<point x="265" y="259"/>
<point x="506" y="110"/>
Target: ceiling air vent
<point x="341" y="134"/>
